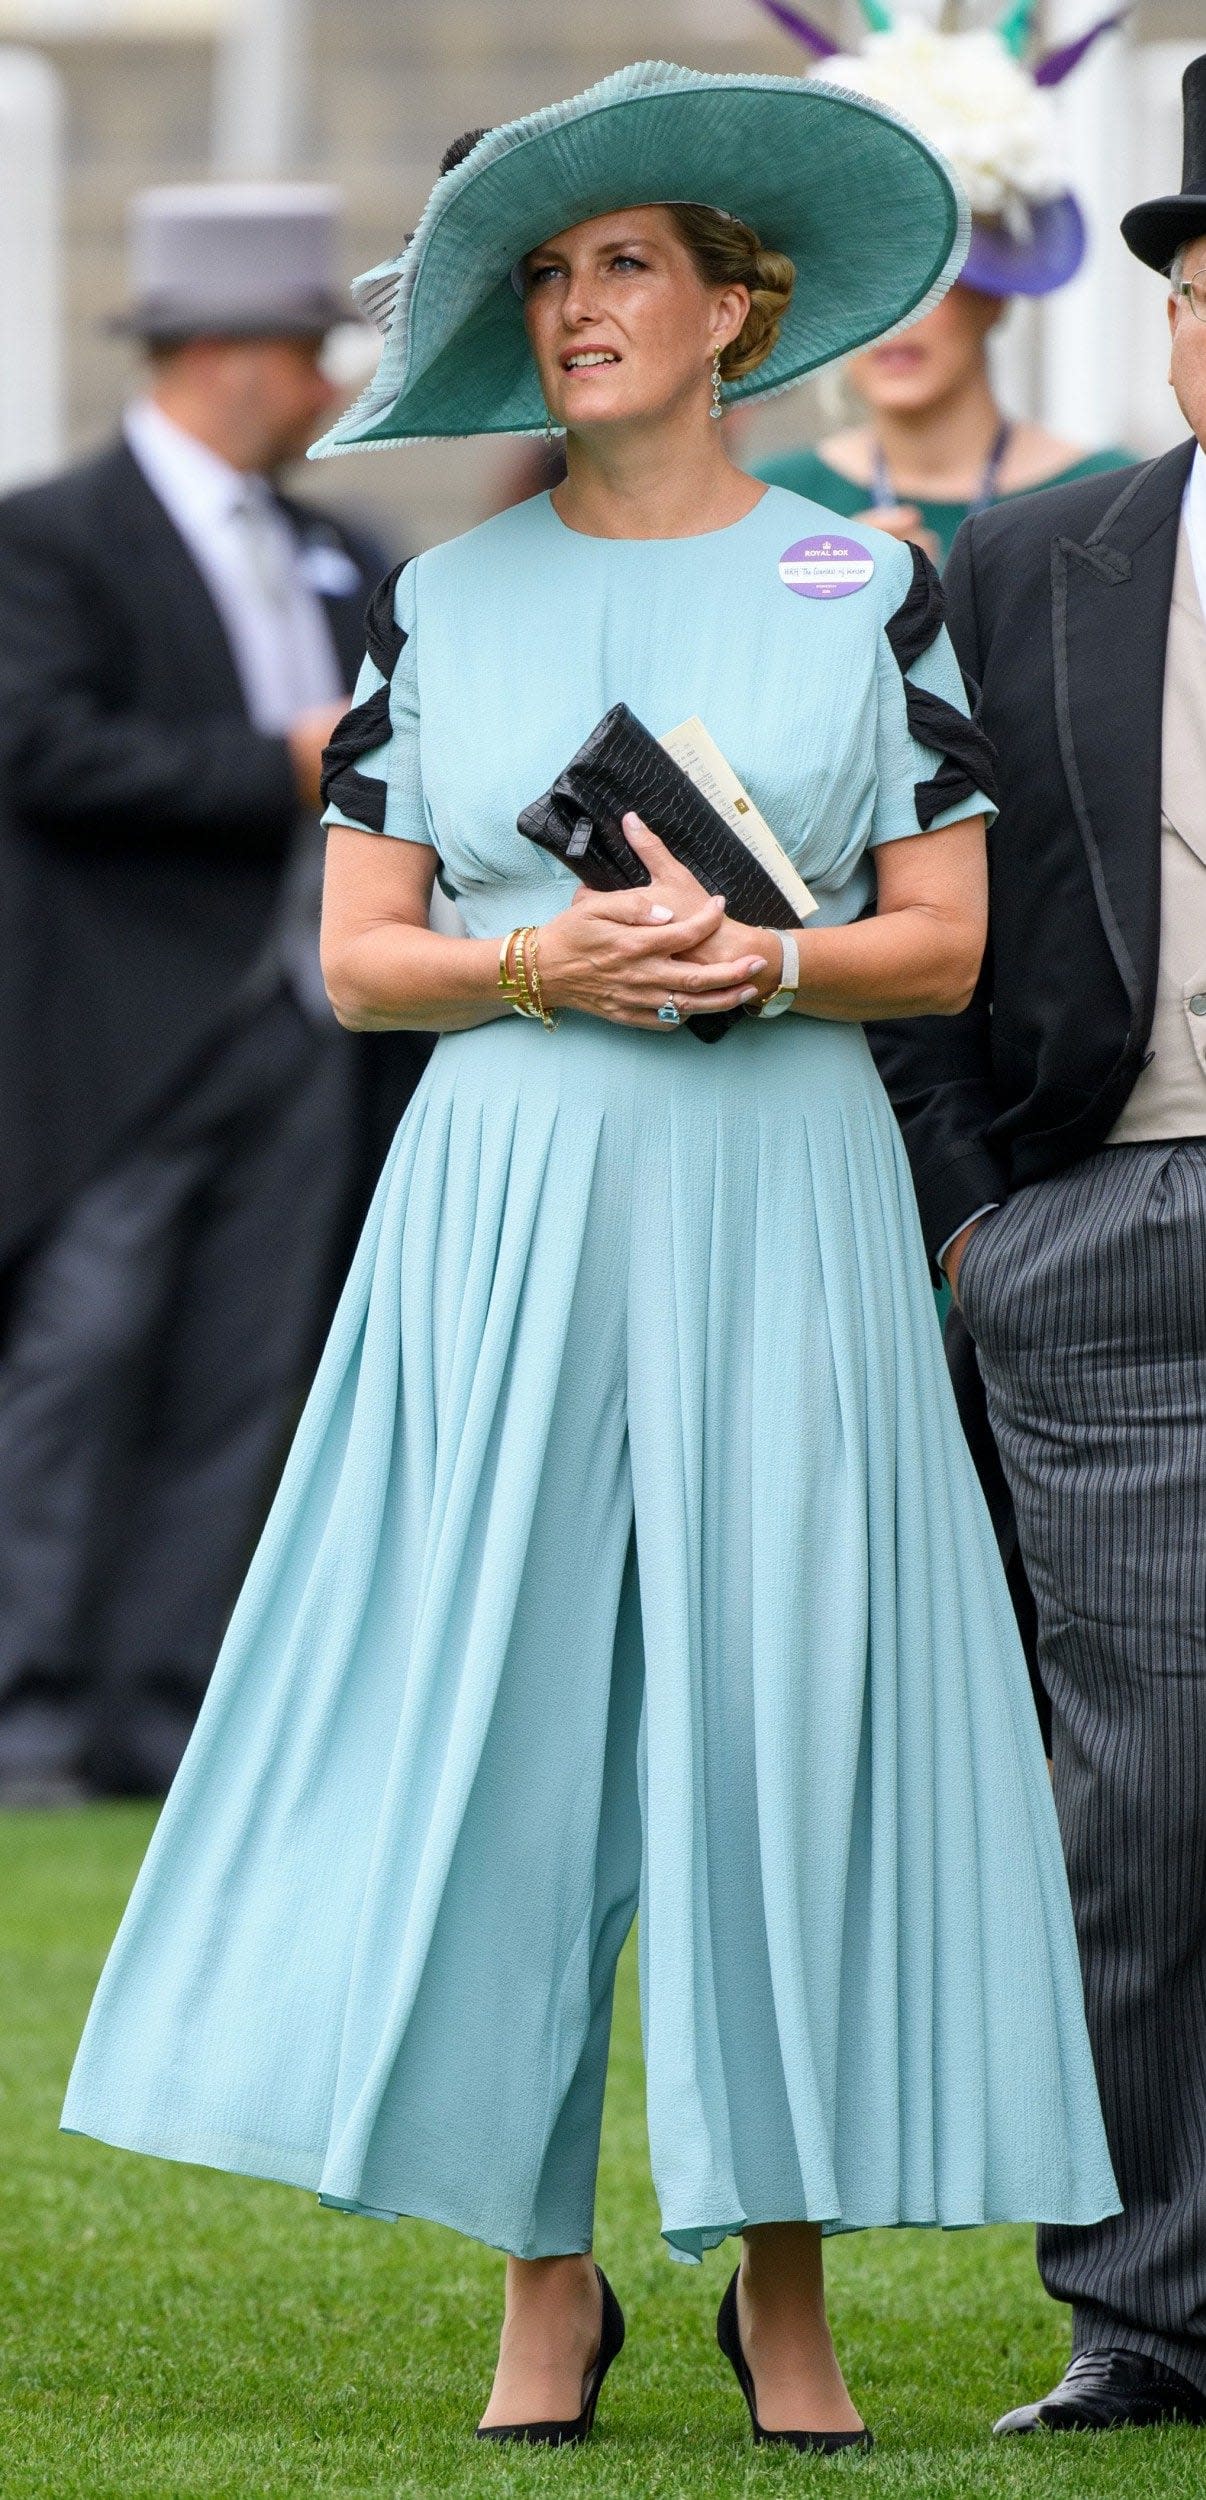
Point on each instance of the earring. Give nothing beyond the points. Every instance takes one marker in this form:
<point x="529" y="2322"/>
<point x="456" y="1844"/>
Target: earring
<point x="548" y="430"/>
<point x="717" y="394"/>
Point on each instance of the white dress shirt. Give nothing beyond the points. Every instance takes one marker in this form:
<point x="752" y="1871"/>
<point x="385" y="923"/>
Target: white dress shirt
<point x="1194" y="513"/>
<point x="252" y="565"/>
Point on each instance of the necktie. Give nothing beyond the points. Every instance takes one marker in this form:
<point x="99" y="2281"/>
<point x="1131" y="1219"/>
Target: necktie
<point x="294" y="670"/>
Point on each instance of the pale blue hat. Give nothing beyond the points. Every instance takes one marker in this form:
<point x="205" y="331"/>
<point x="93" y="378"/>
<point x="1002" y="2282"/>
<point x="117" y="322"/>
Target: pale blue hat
<point x="870" y="213"/>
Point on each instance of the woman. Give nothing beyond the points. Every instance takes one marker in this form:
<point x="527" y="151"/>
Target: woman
<point x="935" y="444"/>
<point x="629" y="1543"/>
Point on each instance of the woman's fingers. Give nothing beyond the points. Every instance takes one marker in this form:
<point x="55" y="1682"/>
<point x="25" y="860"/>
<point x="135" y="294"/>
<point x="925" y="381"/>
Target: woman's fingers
<point x="652" y="851"/>
<point x="728" y="982"/>
<point x="648" y="845"/>
<point x="716" y="1003"/>
<point x="698" y="980"/>
<point x="685" y="932"/>
<point x="635" y="906"/>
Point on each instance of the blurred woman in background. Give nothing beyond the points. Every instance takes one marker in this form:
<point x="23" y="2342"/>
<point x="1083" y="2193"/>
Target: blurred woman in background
<point x="934" y="444"/>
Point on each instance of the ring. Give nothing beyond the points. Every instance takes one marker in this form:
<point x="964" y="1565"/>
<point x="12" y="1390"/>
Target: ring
<point x="668" y="1013"/>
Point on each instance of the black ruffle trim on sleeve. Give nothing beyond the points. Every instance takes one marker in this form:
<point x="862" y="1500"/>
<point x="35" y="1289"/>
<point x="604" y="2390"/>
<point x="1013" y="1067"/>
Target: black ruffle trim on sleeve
<point x="969" y="763"/>
<point x="367" y="726"/>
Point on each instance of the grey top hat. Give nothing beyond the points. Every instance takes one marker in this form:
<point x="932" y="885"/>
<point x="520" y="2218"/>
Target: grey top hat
<point x="234" y="260"/>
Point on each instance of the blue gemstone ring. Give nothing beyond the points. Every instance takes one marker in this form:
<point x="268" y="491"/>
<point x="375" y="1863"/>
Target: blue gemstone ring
<point x="668" y="1013"/>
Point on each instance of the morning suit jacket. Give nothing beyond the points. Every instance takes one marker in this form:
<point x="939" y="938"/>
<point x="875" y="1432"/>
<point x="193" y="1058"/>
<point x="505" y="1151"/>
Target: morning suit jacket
<point x="1058" y="607"/>
<point x="144" y="821"/>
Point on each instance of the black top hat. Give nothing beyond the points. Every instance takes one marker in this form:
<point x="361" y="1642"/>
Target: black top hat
<point x="1156" y="229"/>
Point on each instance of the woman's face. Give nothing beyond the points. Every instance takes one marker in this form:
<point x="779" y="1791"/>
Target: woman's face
<point x="620" y="322"/>
<point x="929" y="363"/>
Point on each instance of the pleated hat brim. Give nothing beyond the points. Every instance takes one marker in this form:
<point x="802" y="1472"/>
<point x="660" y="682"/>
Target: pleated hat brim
<point x="869" y="212"/>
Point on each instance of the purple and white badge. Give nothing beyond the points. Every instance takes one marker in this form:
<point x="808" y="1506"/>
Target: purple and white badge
<point x="826" y="568"/>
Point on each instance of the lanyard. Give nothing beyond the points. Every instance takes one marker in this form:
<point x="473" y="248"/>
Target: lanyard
<point x="883" y="492"/>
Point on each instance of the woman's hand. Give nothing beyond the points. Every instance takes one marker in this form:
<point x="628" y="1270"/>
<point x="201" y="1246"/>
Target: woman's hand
<point x="621" y="956"/>
<point x="731" y="941"/>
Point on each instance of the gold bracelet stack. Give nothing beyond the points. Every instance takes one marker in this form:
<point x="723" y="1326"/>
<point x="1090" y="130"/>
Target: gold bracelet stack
<point x="506" y="978"/>
<point x="519" y="976"/>
<point x="532" y="966"/>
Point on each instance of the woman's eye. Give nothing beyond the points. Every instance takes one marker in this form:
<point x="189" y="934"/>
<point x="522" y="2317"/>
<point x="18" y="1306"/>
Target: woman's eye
<point x="536" y="277"/>
<point x="627" y="260"/>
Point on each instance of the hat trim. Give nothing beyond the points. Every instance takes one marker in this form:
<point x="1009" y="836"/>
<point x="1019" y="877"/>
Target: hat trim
<point x="644" y="79"/>
<point x="166" y="321"/>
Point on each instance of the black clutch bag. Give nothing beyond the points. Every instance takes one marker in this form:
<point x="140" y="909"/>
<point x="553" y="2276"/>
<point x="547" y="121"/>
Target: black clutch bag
<point x="622" y="766"/>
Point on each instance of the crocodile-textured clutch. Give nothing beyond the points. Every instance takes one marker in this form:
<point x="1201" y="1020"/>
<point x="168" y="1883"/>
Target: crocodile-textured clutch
<point x="622" y="766"/>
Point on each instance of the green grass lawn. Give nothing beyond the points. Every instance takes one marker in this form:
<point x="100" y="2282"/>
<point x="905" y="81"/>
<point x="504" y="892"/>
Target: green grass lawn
<point x="172" y="2332"/>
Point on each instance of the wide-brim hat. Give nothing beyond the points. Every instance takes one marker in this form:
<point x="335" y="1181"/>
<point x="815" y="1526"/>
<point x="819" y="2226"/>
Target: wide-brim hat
<point x="233" y="260"/>
<point x="1157" y="229"/>
<point x="868" y="211"/>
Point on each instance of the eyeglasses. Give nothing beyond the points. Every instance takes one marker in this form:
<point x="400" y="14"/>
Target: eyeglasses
<point x="1194" y="291"/>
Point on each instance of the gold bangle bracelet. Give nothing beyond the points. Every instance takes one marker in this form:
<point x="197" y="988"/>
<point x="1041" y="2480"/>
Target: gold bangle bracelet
<point x="532" y="967"/>
<point x="524" y="1004"/>
<point x="519" y="976"/>
<point x="512" y="972"/>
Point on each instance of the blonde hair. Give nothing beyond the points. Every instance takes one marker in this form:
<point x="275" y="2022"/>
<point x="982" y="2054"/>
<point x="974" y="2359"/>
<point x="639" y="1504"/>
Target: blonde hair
<point x="727" y="252"/>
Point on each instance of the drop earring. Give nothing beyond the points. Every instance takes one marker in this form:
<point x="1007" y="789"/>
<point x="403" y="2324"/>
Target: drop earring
<point x="548" y="430"/>
<point x="717" y="394"/>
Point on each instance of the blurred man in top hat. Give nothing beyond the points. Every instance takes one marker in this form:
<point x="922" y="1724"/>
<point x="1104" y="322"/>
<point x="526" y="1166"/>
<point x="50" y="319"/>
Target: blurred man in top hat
<point x="180" y="1116"/>
<point x="1057" y="1133"/>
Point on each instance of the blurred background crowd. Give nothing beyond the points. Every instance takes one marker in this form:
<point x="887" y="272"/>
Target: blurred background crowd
<point x="187" y="1141"/>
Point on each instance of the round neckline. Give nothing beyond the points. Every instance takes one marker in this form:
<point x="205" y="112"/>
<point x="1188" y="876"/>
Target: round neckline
<point x="689" y="538"/>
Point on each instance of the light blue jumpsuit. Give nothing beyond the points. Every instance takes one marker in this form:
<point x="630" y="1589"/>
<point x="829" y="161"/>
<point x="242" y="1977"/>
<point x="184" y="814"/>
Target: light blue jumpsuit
<point x="629" y="1549"/>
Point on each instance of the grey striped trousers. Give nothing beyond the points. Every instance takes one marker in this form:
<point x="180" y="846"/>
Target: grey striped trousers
<point x="1086" y="1296"/>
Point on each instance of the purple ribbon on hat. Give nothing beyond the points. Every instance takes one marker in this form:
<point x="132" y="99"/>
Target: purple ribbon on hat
<point x="1049" y="71"/>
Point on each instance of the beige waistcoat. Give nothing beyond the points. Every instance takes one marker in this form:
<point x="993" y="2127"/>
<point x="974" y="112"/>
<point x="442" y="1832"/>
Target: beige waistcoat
<point x="1170" y="1097"/>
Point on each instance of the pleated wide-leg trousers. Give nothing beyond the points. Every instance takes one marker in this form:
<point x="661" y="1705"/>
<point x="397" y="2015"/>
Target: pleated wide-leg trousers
<point x="629" y="1544"/>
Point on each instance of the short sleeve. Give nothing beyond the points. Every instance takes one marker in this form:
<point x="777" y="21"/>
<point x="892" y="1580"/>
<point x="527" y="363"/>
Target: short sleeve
<point x="934" y="765"/>
<point x="373" y="779"/>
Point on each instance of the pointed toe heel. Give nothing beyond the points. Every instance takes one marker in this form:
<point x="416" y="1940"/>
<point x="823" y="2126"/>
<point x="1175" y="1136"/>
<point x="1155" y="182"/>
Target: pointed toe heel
<point x="812" y="2443"/>
<point x="573" y="2434"/>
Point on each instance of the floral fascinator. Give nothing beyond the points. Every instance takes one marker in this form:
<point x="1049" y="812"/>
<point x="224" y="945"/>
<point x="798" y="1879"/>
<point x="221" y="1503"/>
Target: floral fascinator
<point x="974" y="96"/>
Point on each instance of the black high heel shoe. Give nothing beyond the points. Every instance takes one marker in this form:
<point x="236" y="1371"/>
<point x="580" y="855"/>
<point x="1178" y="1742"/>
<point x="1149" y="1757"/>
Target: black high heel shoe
<point x="818" y="2443"/>
<point x="572" y="2434"/>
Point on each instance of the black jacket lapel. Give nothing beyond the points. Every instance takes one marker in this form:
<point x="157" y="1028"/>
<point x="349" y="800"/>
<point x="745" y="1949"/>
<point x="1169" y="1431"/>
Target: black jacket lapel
<point x="1110" y="604"/>
<point x="164" y="557"/>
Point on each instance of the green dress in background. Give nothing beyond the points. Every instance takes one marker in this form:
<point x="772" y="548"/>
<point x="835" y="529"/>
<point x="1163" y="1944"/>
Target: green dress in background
<point x="806" y="473"/>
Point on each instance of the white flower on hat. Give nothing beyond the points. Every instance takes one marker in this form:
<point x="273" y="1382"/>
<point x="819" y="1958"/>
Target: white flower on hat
<point x="969" y="96"/>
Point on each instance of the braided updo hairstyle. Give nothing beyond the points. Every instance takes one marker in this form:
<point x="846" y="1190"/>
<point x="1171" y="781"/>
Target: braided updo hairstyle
<point x="727" y="252"/>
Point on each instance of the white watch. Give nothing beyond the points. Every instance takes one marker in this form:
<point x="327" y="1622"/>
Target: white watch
<point x="789" y="980"/>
